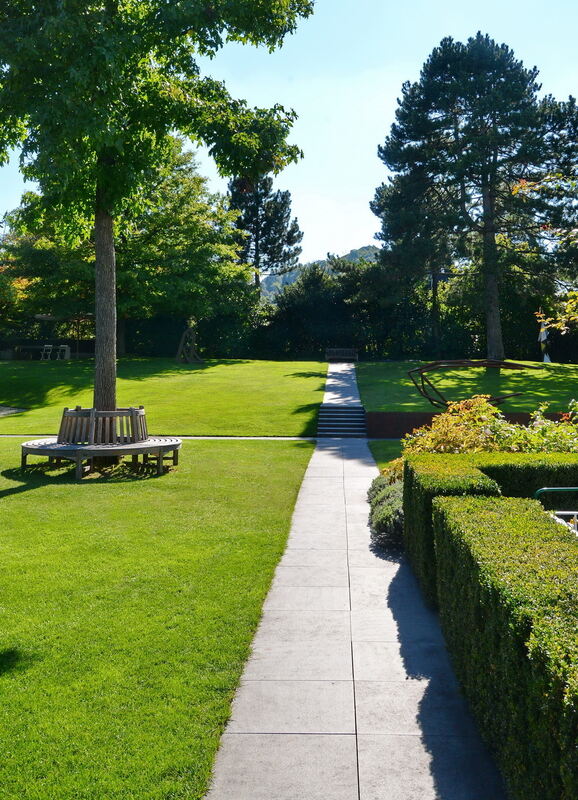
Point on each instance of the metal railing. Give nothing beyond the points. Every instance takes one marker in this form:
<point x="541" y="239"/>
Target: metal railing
<point x="569" y="518"/>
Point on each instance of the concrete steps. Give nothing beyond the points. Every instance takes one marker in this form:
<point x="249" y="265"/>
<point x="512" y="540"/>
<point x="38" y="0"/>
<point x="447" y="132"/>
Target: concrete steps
<point x="341" y="422"/>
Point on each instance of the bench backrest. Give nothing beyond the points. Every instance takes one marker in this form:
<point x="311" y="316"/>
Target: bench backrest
<point x="341" y="354"/>
<point x="89" y="426"/>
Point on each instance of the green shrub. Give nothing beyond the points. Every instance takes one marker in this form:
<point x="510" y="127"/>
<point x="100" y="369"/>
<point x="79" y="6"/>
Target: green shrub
<point x="514" y="474"/>
<point x="507" y="577"/>
<point x="377" y="486"/>
<point x="426" y="477"/>
<point x="386" y="517"/>
<point x="475" y="426"/>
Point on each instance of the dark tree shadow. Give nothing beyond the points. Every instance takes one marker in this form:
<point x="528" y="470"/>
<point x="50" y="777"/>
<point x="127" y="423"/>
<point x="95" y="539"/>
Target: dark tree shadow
<point x="12" y="659"/>
<point x="35" y="476"/>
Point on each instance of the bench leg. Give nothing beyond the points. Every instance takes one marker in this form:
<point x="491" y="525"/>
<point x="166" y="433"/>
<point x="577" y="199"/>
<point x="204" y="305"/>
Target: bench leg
<point x="159" y="463"/>
<point x="79" y="469"/>
<point x="175" y="458"/>
<point x="23" y="459"/>
<point x="134" y="460"/>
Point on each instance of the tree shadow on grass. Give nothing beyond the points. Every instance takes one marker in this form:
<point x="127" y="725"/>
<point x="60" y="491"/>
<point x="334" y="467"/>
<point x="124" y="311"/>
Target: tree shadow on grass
<point x="27" y="384"/>
<point x="14" y="660"/>
<point x="36" y="476"/>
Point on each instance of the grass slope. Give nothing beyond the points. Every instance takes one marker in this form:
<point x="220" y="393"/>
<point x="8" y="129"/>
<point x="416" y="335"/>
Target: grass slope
<point x="385" y="386"/>
<point x="127" y="607"/>
<point x="242" y="398"/>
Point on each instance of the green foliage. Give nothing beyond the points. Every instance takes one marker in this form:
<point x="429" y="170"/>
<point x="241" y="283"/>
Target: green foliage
<point x="507" y="577"/>
<point x="271" y="239"/>
<point x="428" y="476"/>
<point x="465" y="135"/>
<point x="386" y="517"/>
<point x="128" y="610"/>
<point x="94" y="89"/>
<point x="475" y="425"/>
<point x="425" y="478"/>
<point x="178" y="256"/>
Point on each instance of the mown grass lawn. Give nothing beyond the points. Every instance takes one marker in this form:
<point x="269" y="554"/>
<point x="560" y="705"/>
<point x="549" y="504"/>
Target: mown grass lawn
<point x="385" y="386"/>
<point x="226" y="397"/>
<point x="385" y="450"/>
<point x="127" y="608"/>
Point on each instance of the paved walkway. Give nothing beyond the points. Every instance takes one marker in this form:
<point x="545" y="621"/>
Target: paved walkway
<point x="349" y="693"/>
<point x="341" y="386"/>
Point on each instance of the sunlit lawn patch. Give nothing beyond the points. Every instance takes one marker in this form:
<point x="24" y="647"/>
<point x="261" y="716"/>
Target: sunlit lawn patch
<point x="226" y="397"/>
<point x="127" y="608"/>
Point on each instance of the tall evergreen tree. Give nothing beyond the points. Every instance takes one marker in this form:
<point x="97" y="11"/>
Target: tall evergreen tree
<point x="465" y="135"/>
<point x="272" y="239"/>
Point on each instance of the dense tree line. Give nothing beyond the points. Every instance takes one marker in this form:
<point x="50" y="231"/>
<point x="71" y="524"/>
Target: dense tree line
<point x="477" y="216"/>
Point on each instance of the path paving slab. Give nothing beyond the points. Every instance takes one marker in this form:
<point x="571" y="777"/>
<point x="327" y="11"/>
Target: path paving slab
<point x="285" y="767"/>
<point x="293" y="707"/>
<point x="349" y="693"/>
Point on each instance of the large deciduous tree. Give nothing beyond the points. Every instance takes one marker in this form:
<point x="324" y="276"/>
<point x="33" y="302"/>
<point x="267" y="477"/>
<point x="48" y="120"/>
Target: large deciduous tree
<point x="271" y="241"/>
<point x="177" y="256"/>
<point x="465" y="135"/>
<point x="91" y="90"/>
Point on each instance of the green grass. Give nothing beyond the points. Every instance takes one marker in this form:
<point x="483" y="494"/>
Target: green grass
<point x="385" y="450"/>
<point x="385" y="386"/>
<point x="127" y="607"/>
<point x="242" y="398"/>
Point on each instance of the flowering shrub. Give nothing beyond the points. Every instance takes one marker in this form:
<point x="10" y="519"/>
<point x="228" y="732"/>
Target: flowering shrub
<point x="476" y="426"/>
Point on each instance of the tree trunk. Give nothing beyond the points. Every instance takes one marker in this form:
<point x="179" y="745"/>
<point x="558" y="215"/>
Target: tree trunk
<point x="494" y="339"/>
<point x="105" y="309"/>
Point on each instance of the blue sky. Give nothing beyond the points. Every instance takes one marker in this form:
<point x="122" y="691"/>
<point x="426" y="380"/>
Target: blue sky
<point x="342" y="72"/>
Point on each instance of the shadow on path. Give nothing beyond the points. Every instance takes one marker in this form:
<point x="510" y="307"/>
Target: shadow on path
<point x="461" y="766"/>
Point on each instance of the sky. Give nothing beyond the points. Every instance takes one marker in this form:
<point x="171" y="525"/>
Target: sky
<point x="342" y="72"/>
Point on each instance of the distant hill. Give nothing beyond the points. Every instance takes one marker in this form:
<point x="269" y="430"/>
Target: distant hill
<point x="271" y="285"/>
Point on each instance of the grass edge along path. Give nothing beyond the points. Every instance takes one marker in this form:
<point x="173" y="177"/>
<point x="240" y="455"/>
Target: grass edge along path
<point x="218" y="397"/>
<point x="127" y="612"/>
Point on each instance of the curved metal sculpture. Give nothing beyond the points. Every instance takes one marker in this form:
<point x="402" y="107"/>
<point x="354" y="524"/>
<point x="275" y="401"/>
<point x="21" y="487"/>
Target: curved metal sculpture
<point x="427" y="389"/>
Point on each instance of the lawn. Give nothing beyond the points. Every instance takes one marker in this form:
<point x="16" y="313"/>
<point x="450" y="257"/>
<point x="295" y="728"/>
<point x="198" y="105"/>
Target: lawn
<point x="385" y="450"/>
<point x="126" y="614"/>
<point x="226" y="397"/>
<point x="385" y="386"/>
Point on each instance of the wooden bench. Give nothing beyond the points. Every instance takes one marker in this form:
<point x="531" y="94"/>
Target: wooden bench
<point x="341" y="354"/>
<point x="86" y="434"/>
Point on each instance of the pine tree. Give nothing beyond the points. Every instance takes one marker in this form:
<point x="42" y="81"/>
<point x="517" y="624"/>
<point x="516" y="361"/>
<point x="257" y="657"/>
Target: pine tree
<point x="466" y="134"/>
<point x="271" y="244"/>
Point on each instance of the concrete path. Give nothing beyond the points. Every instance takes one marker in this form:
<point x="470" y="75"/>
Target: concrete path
<point x="341" y="386"/>
<point x="349" y="693"/>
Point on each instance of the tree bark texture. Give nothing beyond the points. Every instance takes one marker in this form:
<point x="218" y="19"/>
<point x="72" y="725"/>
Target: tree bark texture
<point x="495" y="343"/>
<point x="105" y="310"/>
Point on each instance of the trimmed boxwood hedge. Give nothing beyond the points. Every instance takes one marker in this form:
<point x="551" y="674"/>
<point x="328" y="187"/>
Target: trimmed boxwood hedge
<point x="507" y="577"/>
<point x="427" y="476"/>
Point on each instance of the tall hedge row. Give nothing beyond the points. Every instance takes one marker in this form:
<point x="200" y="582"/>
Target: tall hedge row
<point x="428" y="476"/>
<point x="507" y="582"/>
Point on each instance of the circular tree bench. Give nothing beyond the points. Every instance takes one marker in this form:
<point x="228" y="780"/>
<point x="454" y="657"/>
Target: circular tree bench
<point x="86" y="434"/>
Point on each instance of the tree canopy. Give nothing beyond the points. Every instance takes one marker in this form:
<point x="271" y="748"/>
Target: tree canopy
<point x="91" y="90"/>
<point x="176" y="256"/>
<point x="271" y="240"/>
<point x="466" y="134"/>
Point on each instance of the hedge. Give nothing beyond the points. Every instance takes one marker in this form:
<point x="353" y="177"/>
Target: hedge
<point x="507" y="577"/>
<point x="428" y="476"/>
